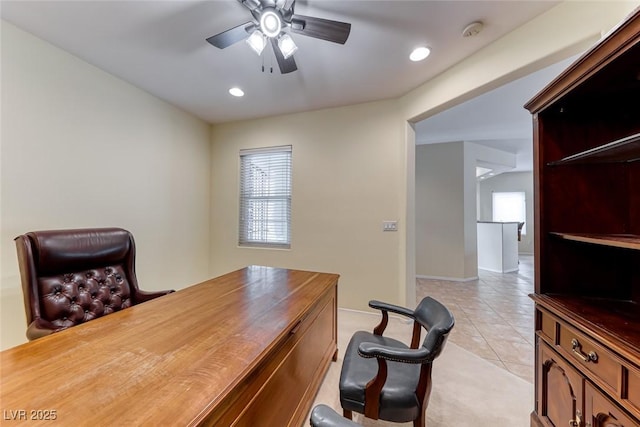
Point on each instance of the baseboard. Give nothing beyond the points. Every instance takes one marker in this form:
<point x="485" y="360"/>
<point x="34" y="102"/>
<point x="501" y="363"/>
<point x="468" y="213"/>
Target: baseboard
<point x="448" y="279"/>
<point x="498" y="271"/>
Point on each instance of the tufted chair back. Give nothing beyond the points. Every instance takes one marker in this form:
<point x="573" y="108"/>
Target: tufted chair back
<point x="73" y="276"/>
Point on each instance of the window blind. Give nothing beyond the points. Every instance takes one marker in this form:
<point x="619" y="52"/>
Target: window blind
<point x="265" y="197"/>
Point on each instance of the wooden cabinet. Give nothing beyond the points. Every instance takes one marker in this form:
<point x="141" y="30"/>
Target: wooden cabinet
<point x="587" y="237"/>
<point x="560" y="389"/>
<point x="601" y="412"/>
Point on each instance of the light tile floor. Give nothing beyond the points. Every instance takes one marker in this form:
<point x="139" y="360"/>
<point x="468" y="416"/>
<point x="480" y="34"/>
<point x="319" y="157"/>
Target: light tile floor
<point x="494" y="315"/>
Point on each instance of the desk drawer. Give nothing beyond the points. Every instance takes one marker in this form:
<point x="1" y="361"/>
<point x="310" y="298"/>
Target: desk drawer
<point x="585" y="351"/>
<point x="300" y="370"/>
<point x="279" y="390"/>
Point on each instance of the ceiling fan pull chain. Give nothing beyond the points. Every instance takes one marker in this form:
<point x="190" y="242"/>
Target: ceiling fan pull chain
<point x="271" y="61"/>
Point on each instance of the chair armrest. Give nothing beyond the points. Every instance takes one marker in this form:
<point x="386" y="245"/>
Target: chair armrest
<point x="394" y="354"/>
<point x="383" y="306"/>
<point x="324" y="416"/>
<point x="385" y="309"/>
<point x="41" y="328"/>
<point x="142" y="296"/>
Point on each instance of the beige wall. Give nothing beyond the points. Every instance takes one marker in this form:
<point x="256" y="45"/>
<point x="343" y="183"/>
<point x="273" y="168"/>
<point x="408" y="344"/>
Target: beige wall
<point x="347" y="169"/>
<point x="446" y="207"/>
<point x="440" y="203"/>
<point x="513" y="181"/>
<point x="81" y="148"/>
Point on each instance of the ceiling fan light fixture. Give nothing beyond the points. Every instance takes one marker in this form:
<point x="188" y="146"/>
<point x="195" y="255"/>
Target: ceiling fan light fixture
<point x="270" y="23"/>
<point x="257" y="41"/>
<point x="419" y="53"/>
<point x="286" y="45"/>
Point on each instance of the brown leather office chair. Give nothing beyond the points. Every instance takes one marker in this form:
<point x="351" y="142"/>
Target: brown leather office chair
<point x="384" y="378"/>
<point x="73" y="276"/>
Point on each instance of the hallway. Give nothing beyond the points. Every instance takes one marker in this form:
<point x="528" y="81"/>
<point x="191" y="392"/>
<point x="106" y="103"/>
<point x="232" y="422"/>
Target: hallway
<point x="494" y="315"/>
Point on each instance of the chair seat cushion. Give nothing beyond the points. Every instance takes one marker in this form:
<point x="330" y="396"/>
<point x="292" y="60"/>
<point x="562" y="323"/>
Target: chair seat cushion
<point x="398" y="401"/>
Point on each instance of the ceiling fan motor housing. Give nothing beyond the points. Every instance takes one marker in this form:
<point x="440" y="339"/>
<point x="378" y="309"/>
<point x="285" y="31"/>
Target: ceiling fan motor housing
<point x="270" y="22"/>
<point x="270" y="17"/>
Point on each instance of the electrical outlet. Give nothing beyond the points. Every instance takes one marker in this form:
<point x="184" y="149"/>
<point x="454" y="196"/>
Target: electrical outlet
<point x="389" y="225"/>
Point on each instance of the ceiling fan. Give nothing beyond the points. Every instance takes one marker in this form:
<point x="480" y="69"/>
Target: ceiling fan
<point x="270" y="20"/>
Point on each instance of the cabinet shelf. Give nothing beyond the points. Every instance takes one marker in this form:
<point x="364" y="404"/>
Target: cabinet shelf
<point x="626" y="241"/>
<point x="619" y="151"/>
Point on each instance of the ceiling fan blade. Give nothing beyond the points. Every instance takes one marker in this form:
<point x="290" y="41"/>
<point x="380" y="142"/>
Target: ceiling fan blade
<point x="286" y="65"/>
<point x="325" y="29"/>
<point x="286" y="9"/>
<point x="250" y="4"/>
<point x="232" y="35"/>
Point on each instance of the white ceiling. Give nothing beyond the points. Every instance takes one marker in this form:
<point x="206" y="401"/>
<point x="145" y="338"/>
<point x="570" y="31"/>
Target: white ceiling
<point x="160" y="46"/>
<point x="495" y="119"/>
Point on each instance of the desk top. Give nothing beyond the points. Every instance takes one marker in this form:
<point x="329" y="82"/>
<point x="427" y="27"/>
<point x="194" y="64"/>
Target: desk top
<point x="168" y="361"/>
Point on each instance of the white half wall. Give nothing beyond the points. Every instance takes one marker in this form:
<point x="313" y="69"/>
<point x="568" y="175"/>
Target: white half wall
<point x="81" y="148"/>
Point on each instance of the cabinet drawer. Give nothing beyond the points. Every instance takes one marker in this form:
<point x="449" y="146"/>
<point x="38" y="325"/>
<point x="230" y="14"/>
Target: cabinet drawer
<point x="602" y="412"/>
<point x="583" y="350"/>
<point x="546" y="326"/>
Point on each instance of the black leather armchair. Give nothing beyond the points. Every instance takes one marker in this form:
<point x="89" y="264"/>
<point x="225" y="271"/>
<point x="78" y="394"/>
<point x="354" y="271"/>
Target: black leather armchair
<point x="73" y="276"/>
<point x="384" y="378"/>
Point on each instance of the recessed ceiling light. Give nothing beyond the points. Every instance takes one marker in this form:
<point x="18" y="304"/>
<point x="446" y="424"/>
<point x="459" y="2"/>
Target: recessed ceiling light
<point x="236" y="91"/>
<point x="419" y="53"/>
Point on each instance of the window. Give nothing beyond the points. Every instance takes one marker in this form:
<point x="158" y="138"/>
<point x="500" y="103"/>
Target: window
<point x="265" y="197"/>
<point x="509" y="207"/>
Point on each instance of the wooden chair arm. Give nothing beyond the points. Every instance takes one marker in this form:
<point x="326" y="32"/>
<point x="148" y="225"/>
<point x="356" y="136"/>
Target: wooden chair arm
<point x="143" y="296"/>
<point x="41" y="328"/>
<point x="385" y="308"/>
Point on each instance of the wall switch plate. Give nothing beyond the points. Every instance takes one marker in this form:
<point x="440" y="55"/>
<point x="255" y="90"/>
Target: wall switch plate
<point x="389" y="225"/>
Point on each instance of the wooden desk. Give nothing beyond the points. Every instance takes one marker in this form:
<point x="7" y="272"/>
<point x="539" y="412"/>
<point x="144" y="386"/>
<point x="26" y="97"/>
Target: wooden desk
<point x="249" y="348"/>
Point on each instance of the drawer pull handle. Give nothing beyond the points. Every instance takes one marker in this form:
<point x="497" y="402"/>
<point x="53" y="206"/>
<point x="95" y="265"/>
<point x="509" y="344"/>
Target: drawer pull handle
<point x="296" y="327"/>
<point x="577" y="349"/>
<point x="578" y="421"/>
